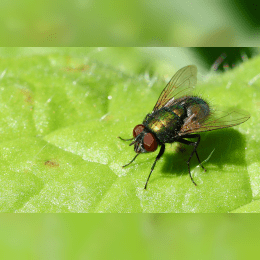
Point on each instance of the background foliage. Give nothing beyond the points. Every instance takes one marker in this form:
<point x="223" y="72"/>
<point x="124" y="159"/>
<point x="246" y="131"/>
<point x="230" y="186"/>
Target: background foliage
<point x="128" y="236"/>
<point x="113" y="23"/>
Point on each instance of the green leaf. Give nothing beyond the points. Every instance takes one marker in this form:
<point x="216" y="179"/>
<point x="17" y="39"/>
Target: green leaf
<point x="62" y="110"/>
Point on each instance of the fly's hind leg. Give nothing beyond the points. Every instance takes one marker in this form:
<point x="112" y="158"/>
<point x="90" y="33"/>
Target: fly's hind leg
<point x="195" y="145"/>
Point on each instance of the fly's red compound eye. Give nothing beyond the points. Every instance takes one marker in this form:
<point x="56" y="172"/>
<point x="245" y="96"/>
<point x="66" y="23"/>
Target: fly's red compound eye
<point x="137" y="130"/>
<point x="150" y="143"/>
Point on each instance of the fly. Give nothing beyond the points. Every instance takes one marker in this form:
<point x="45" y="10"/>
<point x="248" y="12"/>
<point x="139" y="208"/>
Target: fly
<point x="178" y="115"/>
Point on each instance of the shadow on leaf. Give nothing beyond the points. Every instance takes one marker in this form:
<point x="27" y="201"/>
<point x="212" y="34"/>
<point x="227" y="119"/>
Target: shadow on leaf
<point x="219" y="148"/>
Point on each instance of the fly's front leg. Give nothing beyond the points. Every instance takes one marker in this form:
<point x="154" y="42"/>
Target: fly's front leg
<point x="195" y="145"/>
<point x="131" y="161"/>
<point x="130" y="144"/>
<point x="157" y="158"/>
<point x="125" y="139"/>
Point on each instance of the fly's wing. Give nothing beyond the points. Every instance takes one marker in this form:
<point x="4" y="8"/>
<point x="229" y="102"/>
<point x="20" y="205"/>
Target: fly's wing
<point x="215" y="120"/>
<point x="181" y="84"/>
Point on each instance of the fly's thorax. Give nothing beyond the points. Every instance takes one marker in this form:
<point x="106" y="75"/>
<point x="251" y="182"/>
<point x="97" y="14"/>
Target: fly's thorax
<point x="166" y="122"/>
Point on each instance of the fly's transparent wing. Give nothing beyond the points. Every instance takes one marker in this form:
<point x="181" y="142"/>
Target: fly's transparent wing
<point x="215" y="120"/>
<point x="181" y="84"/>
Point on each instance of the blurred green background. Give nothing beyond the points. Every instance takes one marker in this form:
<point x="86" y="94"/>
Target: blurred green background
<point x="135" y="23"/>
<point x="129" y="236"/>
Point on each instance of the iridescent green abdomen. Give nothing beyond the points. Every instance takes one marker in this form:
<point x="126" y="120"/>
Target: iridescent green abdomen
<point x="196" y="108"/>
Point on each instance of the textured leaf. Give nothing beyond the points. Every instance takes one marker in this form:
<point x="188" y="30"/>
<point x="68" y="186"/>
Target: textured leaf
<point x="61" y="113"/>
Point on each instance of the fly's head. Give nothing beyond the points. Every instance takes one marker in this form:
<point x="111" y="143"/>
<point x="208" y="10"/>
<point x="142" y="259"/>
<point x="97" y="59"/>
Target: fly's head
<point x="144" y="141"/>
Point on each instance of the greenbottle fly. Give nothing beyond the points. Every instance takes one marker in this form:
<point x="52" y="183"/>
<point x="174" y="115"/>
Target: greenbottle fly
<point x="178" y="115"/>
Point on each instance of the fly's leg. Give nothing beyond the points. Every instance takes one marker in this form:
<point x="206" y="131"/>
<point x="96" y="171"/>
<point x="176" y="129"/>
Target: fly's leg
<point x="157" y="158"/>
<point x="195" y="145"/>
<point x="131" y="161"/>
<point x="135" y="156"/>
<point x="125" y="139"/>
<point x="130" y="144"/>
